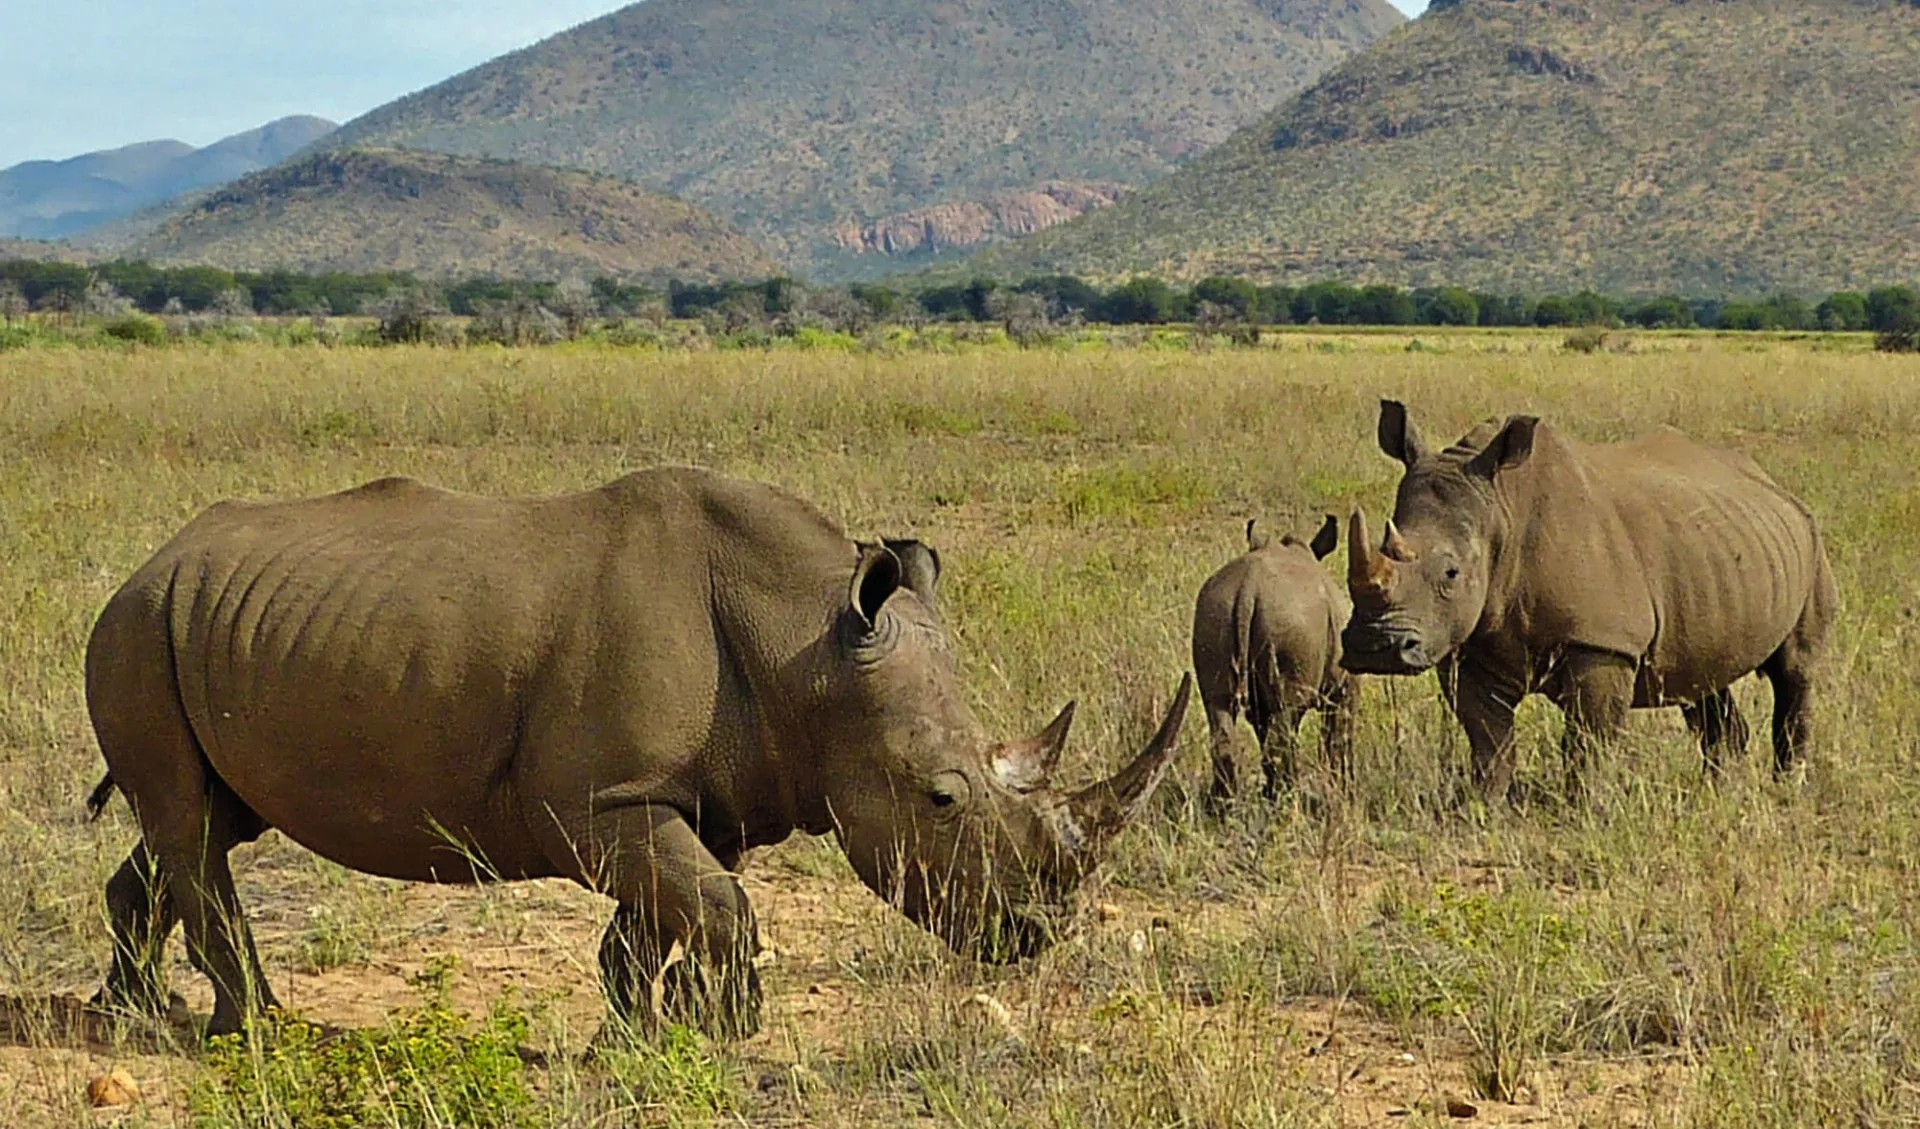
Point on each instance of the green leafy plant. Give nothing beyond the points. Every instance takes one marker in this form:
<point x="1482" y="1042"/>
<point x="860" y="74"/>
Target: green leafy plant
<point x="429" y="1066"/>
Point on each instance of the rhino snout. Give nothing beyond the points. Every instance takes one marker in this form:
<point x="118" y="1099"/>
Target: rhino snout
<point x="1382" y="649"/>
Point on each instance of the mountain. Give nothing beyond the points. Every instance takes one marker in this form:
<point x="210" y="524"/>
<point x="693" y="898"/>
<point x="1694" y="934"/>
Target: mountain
<point x="1706" y="146"/>
<point x="800" y="119"/>
<point x="56" y="199"/>
<point x="41" y="251"/>
<point x="387" y="210"/>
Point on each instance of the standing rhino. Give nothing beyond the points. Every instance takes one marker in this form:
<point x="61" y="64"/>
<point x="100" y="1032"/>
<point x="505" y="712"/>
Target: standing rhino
<point x="1640" y="574"/>
<point x="1266" y="642"/>
<point x="628" y="687"/>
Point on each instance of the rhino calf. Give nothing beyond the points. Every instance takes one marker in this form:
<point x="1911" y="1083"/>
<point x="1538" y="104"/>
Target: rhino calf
<point x="1266" y="644"/>
<point x="628" y="687"/>
<point x="1607" y="576"/>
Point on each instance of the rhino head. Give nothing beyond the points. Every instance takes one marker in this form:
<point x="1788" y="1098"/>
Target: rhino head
<point x="966" y="835"/>
<point x="1420" y="593"/>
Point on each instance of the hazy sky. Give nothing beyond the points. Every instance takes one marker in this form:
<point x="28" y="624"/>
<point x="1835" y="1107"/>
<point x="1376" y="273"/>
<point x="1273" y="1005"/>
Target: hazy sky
<point x="79" y="75"/>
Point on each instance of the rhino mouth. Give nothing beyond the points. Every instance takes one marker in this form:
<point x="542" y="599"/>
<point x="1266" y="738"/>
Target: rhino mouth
<point x="1018" y="935"/>
<point x="1384" y="651"/>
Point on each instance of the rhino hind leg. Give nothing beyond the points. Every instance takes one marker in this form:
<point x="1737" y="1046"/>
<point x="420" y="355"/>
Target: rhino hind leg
<point x="1791" y="671"/>
<point x="1279" y="752"/>
<point x="675" y="900"/>
<point x="200" y="888"/>
<point x="1223" y="725"/>
<point x="1717" y="723"/>
<point x="189" y="821"/>
<point x="140" y="916"/>
<point x="1792" y="680"/>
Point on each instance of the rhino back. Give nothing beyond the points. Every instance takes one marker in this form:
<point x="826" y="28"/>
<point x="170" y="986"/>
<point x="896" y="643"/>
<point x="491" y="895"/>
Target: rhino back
<point x="1731" y="559"/>
<point x="1687" y="558"/>
<point x="1273" y="612"/>
<point x="363" y="666"/>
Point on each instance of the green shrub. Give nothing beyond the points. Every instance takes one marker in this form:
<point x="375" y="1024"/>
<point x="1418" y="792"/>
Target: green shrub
<point x="428" y="1066"/>
<point x="1590" y="339"/>
<point x="137" y="328"/>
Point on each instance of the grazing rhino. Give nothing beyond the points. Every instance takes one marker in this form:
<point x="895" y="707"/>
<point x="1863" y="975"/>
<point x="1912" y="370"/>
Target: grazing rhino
<point x="1641" y="574"/>
<point x="628" y="687"/>
<point x="1266" y="643"/>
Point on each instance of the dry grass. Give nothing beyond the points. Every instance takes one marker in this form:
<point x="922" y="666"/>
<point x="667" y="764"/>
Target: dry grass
<point x="1670" y="955"/>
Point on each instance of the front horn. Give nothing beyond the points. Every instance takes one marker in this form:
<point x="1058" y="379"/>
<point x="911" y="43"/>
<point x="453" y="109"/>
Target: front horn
<point x="1101" y="810"/>
<point x="1368" y="570"/>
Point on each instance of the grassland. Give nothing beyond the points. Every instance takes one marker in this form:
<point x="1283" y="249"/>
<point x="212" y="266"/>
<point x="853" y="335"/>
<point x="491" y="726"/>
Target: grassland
<point x="1668" y="954"/>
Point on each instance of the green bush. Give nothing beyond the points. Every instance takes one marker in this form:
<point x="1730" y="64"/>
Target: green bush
<point x="1590" y="339"/>
<point x="429" y="1066"/>
<point x="137" y="328"/>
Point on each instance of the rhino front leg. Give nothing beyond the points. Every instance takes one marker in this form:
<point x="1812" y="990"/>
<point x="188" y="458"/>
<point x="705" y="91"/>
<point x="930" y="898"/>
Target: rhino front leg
<point x="1594" y="689"/>
<point x="1484" y="705"/>
<point x="673" y="893"/>
<point x="1339" y="711"/>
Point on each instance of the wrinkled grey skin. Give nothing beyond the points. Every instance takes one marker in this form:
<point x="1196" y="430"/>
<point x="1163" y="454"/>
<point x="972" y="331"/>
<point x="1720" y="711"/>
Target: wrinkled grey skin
<point x="629" y="687"/>
<point x="1630" y="575"/>
<point x="1266" y="644"/>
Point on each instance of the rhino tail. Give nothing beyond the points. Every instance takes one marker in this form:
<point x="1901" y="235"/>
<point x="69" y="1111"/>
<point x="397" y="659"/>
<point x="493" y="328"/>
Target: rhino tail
<point x="102" y="792"/>
<point x="1243" y="657"/>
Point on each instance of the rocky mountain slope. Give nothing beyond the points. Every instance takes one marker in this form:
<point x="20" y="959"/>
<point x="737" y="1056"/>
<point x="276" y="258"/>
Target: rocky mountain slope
<point x="803" y="119"/>
<point x="1735" y="146"/>
<point x="385" y="210"/>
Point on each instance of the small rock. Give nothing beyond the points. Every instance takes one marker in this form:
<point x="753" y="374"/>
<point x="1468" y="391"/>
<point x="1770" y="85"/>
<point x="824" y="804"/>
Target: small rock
<point x="1460" y="1108"/>
<point x="1406" y="1058"/>
<point x="116" y="1088"/>
<point x="1137" y="942"/>
<point x="992" y="1011"/>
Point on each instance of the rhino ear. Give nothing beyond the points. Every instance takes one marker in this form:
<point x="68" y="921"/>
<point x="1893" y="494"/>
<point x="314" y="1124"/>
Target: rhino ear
<point x="1327" y="540"/>
<point x="1256" y="541"/>
<point x="876" y="578"/>
<point x="1398" y="437"/>
<point x="1508" y="449"/>
<point x="920" y="566"/>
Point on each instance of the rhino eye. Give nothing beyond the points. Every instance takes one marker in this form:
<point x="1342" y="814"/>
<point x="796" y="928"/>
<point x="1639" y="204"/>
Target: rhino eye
<point x="1453" y="572"/>
<point x="949" y="790"/>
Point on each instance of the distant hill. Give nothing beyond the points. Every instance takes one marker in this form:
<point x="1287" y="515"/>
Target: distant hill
<point x="803" y="119"/>
<point x="387" y="210"/>
<point x="57" y="199"/>
<point x="42" y="251"/>
<point x="1627" y="145"/>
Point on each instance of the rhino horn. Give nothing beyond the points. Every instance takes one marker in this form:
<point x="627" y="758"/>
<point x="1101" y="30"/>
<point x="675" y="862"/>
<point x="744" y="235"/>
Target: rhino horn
<point x="1395" y="546"/>
<point x="1025" y="765"/>
<point x="1101" y="810"/>
<point x="1368" y="570"/>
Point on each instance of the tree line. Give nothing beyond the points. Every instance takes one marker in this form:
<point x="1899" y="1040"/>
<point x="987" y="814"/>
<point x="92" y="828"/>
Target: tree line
<point x="1049" y="300"/>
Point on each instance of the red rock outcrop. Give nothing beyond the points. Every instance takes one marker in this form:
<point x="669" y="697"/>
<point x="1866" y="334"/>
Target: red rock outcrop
<point x="964" y="224"/>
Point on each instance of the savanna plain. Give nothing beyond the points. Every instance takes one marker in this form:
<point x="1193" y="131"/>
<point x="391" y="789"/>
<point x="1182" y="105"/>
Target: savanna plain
<point x="1663" y="952"/>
